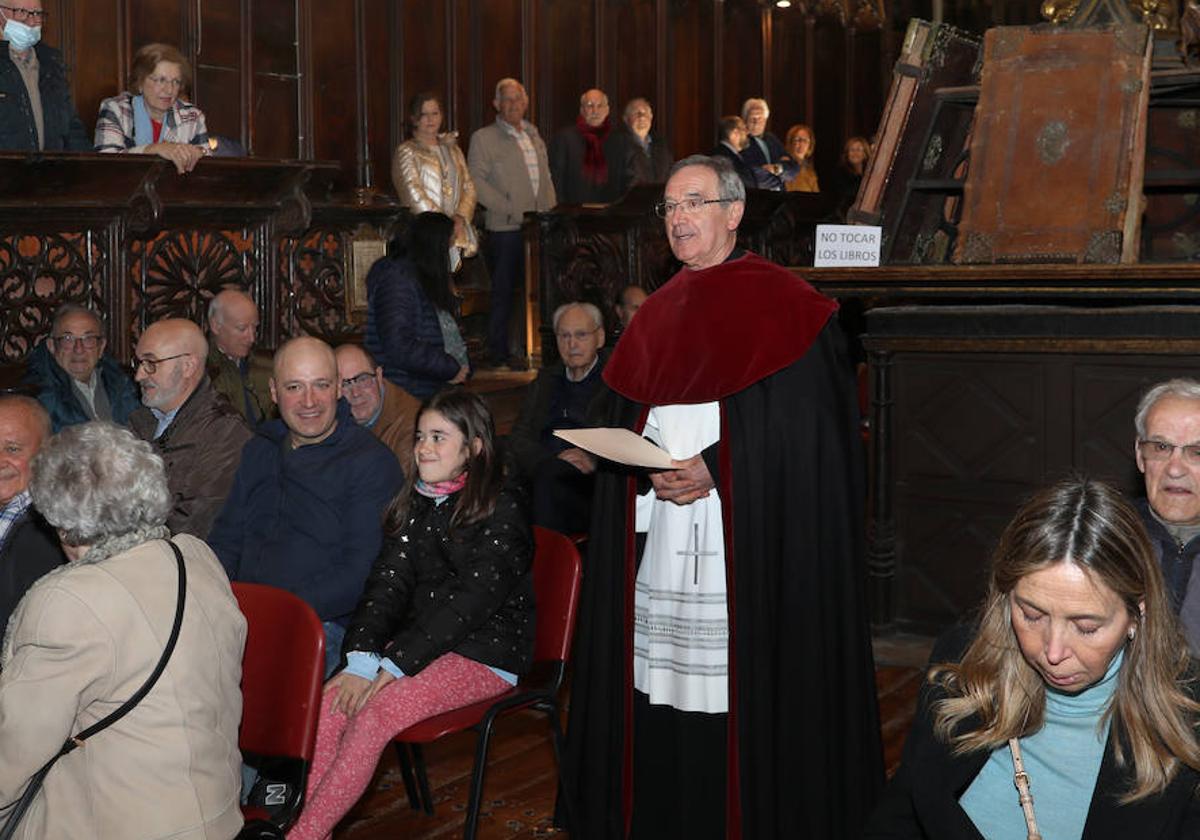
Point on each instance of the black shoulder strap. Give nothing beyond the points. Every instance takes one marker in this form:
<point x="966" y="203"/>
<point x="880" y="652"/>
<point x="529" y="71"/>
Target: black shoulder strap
<point x="70" y="744"/>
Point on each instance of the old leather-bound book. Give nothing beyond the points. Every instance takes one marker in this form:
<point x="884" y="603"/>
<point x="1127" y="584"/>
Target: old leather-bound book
<point x="912" y="144"/>
<point x="1058" y="146"/>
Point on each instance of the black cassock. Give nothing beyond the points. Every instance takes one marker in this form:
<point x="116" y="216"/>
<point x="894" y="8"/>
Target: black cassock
<point x="804" y="755"/>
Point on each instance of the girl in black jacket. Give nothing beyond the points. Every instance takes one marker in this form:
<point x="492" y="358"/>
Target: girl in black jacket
<point x="446" y="618"/>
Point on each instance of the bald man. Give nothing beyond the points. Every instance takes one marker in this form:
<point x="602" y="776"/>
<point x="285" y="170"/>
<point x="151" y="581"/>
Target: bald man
<point x="196" y="431"/>
<point x="235" y="369"/>
<point x="306" y="510"/>
<point x="29" y="545"/>
<point x="377" y="404"/>
<point x="588" y="160"/>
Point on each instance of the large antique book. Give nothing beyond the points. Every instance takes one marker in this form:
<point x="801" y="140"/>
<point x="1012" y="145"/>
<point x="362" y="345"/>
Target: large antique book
<point x="919" y="137"/>
<point x="1058" y="146"/>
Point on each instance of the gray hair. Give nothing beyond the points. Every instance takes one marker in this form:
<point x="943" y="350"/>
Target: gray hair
<point x="1188" y="389"/>
<point x="507" y="80"/>
<point x="95" y="480"/>
<point x="590" y="308"/>
<point x="68" y="309"/>
<point x="755" y="102"/>
<point x="729" y="184"/>
<point x="36" y="411"/>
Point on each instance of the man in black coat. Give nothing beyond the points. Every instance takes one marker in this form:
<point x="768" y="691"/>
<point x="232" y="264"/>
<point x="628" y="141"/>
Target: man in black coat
<point x="560" y="475"/>
<point x="731" y="139"/>
<point x="649" y="157"/>
<point x="588" y="160"/>
<point x="36" y="109"/>
<point x="764" y="153"/>
<point x="724" y="685"/>
<point x="29" y="547"/>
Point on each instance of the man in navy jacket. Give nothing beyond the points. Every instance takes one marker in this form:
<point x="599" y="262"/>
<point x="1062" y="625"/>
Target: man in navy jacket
<point x="306" y="510"/>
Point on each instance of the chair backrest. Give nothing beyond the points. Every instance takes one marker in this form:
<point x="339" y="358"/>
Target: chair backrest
<point x="282" y="672"/>
<point x="557" y="574"/>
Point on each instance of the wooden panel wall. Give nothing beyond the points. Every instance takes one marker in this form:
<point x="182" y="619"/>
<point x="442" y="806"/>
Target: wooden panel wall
<point x="308" y="79"/>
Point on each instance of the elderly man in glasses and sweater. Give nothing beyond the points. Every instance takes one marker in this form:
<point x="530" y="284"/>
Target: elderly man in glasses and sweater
<point x="195" y="429"/>
<point x="73" y="377"/>
<point x="1167" y="450"/>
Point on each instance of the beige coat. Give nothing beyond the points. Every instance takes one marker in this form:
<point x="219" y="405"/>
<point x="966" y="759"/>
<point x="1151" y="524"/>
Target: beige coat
<point x="85" y="638"/>
<point x="502" y="179"/>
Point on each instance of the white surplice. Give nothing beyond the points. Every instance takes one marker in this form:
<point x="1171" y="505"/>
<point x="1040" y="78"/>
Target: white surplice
<point x="681" y="625"/>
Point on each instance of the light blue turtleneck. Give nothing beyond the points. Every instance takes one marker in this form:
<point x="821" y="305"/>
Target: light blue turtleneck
<point x="1062" y="759"/>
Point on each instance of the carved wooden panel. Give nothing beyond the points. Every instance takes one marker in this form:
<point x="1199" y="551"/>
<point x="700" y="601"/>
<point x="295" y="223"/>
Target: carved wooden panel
<point x="40" y="273"/>
<point x="312" y="288"/>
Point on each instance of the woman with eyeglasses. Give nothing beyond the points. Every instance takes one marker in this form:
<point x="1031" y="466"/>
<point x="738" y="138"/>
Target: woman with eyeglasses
<point x="150" y="117"/>
<point x="411" y="329"/>
<point x="1068" y="708"/>
<point x="800" y="145"/>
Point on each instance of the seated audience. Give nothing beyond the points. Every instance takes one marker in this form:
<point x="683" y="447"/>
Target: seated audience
<point x="410" y="302"/>
<point x="731" y="140"/>
<point x="430" y="174"/>
<point x="561" y="397"/>
<point x="150" y="117"/>
<point x="194" y="429"/>
<point x="628" y="302"/>
<point x="848" y="175"/>
<point x="234" y="368"/>
<point x="28" y="545"/>
<point x="588" y="159"/>
<point x="800" y="144"/>
<point x="306" y="510"/>
<point x="1167" y="451"/>
<point x="75" y="379"/>
<point x="384" y="407"/>
<point x="763" y="152"/>
<point x="447" y="616"/>
<point x="1076" y="673"/>
<point x="649" y="156"/>
<point x="87" y="637"/>
<point x="36" y="110"/>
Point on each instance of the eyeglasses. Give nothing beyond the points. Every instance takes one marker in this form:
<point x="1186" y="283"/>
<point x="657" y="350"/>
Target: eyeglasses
<point x="35" y="15"/>
<point x="359" y="381"/>
<point x="578" y="335"/>
<point x="151" y="365"/>
<point x="163" y="81"/>
<point x="1160" y="450"/>
<point x="689" y="205"/>
<point x="69" y="342"/>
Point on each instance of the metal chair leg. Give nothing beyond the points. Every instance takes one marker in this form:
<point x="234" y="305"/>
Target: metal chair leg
<point x="564" y="793"/>
<point x="474" y="803"/>
<point x="422" y="778"/>
<point x="406" y="774"/>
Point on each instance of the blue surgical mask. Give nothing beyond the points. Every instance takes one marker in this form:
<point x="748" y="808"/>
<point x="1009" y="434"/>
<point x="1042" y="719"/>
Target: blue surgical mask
<point x="22" y="35"/>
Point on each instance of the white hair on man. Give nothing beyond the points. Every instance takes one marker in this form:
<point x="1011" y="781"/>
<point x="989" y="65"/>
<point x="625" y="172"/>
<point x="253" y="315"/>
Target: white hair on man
<point x="591" y="309"/>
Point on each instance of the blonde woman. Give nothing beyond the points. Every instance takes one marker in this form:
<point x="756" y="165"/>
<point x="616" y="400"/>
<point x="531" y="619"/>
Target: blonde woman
<point x="1077" y="672"/>
<point x="800" y="145"/>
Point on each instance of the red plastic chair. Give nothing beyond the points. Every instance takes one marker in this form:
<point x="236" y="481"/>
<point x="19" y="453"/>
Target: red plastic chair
<point x="557" y="572"/>
<point x="283" y="669"/>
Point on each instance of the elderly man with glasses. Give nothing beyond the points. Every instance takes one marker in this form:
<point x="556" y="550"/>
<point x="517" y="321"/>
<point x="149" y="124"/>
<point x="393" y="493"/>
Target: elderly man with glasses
<point x="193" y="427"/>
<point x="378" y="404"/>
<point x="1167" y="452"/>
<point x="36" y="109"/>
<point x="73" y="377"/>
<point x="722" y="620"/>
<point x="561" y="397"/>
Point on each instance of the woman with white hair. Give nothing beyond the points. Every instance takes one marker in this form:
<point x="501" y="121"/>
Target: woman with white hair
<point x="87" y="637"/>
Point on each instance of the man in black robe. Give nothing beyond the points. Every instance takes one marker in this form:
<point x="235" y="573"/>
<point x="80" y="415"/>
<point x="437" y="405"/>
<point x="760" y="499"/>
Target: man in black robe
<point x="797" y="753"/>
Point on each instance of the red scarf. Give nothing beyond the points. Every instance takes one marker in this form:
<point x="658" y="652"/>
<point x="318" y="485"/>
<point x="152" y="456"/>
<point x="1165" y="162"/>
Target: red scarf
<point x="595" y="167"/>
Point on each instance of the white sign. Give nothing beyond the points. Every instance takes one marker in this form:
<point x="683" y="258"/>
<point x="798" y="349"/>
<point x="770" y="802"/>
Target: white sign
<point x="847" y="245"/>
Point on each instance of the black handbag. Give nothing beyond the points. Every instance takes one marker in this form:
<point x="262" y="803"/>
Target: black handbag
<point x="35" y="784"/>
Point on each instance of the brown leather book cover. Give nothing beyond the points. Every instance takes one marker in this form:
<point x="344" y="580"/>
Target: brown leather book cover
<point x="908" y="145"/>
<point x="1058" y="146"/>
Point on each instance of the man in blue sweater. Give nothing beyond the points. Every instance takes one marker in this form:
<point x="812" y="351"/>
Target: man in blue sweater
<point x="306" y="510"/>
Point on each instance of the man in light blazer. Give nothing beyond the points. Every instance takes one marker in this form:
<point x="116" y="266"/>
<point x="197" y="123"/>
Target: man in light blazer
<point x="511" y="172"/>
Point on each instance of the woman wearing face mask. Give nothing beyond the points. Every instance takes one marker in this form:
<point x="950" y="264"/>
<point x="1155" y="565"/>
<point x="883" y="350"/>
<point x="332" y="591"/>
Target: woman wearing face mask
<point x="430" y="174"/>
<point x="150" y="117"/>
<point x="26" y="65"/>
<point x="1074" y="683"/>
